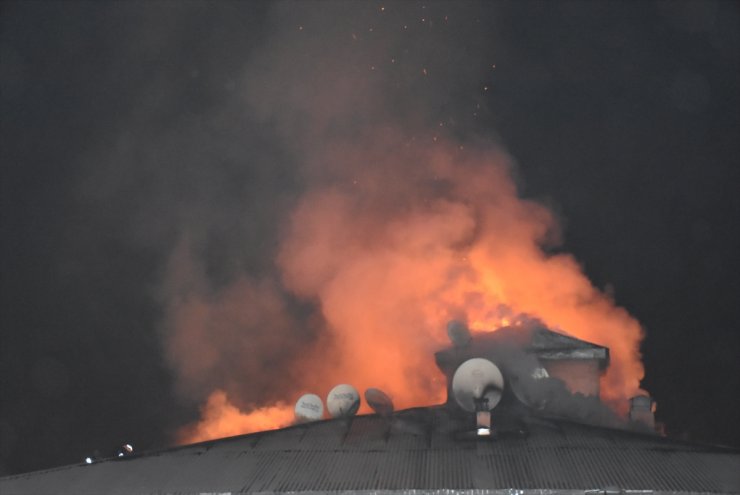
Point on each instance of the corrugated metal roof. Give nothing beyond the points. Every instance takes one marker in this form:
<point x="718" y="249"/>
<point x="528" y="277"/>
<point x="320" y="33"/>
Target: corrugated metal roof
<point x="424" y="449"/>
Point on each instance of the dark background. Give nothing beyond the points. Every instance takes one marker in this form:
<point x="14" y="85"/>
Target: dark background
<point x="623" y="117"/>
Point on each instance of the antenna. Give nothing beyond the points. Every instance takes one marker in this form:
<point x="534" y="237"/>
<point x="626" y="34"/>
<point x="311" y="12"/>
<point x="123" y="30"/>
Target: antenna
<point x="458" y="333"/>
<point x="343" y="401"/>
<point x="309" y="408"/>
<point x="379" y="401"/>
<point x="477" y="385"/>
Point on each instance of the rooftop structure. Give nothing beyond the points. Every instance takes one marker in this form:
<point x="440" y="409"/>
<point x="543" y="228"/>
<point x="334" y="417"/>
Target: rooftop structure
<point x="534" y="427"/>
<point x="577" y="363"/>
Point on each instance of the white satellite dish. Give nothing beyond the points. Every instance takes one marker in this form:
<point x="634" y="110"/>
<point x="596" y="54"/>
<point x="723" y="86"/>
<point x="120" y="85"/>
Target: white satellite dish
<point x="343" y="401"/>
<point x="379" y="401"/>
<point x="477" y="383"/>
<point x="458" y="333"/>
<point x="309" y="408"/>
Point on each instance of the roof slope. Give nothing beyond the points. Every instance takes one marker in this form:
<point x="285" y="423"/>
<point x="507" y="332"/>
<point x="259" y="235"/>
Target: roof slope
<point x="417" y="449"/>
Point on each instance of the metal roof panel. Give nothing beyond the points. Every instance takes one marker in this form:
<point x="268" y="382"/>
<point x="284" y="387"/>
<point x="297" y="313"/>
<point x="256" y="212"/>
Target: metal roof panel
<point x="419" y="449"/>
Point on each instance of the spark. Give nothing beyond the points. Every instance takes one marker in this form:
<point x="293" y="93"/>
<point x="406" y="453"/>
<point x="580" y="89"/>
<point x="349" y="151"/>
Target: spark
<point x="424" y="71"/>
<point x="382" y="9"/>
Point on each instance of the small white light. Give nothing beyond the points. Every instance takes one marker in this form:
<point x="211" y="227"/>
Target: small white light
<point x="88" y="460"/>
<point x="484" y="432"/>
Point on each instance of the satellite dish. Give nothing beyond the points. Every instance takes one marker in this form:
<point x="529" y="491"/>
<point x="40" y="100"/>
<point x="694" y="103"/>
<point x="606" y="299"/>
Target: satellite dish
<point x="477" y="383"/>
<point x="309" y="408"/>
<point x="379" y="401"/>
<point x="343" y="401"/>
<point x="458" y="333"/>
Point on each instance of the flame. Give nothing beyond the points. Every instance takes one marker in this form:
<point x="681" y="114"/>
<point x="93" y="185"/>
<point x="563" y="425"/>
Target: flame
<point x="391" y="253"/>
<point x="220" y="418"/>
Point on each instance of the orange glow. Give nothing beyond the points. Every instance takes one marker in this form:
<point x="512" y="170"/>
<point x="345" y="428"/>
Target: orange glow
<point x="397" y="252"/>
<point x="220" y="419"/>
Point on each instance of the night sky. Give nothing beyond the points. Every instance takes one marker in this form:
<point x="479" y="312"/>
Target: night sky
<point x="125" y="126"/>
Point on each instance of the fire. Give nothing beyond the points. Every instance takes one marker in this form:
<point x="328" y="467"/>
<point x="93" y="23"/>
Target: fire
<point x="220" y="419"/>
<point x="388" y="255"/>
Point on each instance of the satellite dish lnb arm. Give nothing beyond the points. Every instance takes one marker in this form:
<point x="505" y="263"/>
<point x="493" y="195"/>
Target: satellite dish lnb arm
<point x="481" y="403"/>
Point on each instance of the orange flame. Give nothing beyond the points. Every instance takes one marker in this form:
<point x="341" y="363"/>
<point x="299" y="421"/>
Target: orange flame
<point x="220" y="419"/>
<point x="393" y="253"/>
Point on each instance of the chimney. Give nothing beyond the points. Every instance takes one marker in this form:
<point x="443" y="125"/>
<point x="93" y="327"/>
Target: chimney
<point x="642" y="409"/>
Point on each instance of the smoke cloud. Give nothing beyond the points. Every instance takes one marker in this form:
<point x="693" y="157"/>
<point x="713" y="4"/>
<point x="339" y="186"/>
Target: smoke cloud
<point x="332" y="205"/>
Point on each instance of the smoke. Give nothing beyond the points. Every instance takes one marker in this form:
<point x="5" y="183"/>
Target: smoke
<point x="341" y="207"/>
<point x="220" y="418"/>
<point x="235" y="337"/>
